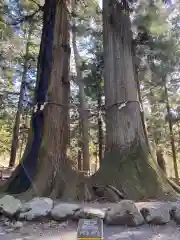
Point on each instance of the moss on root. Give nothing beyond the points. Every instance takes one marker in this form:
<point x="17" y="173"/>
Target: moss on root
<point x="67" y="185"/>
<point x="135" y="174"/>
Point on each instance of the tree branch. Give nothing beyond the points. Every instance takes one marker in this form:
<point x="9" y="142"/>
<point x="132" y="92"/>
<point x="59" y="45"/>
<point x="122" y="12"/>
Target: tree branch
<point x="40" y="6"/>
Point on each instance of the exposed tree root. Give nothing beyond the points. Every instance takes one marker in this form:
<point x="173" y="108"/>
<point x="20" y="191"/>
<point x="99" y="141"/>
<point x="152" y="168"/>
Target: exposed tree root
<point x="10" y="180"/>
<point x="107" y="193"/>
<point x="78" y="191"/>
<point x="67" y="185"/>
<point x="71" y="186"/>
<point x="174" y="186"/>
<point x="27" y="195"/>
<point x="135" y="174"/>
<point x="116" y="191"/>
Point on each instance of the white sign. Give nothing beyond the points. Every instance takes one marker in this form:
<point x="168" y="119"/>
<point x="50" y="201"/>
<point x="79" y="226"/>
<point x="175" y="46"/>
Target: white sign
<point x="90" y="228"/>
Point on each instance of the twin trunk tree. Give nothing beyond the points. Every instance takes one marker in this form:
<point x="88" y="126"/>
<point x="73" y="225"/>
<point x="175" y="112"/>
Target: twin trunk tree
<point x="127" y="164"/>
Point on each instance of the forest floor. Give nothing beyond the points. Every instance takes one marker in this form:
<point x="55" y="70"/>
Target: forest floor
<point x="43" y="232"/>
<point x="68" y="231"/>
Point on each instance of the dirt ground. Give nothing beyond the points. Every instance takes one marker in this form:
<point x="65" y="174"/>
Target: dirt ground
<point x="68" y="230"/>
<point x="45" y="232"/>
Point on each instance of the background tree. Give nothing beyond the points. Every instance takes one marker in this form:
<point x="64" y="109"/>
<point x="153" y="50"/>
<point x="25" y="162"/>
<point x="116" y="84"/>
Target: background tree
<point x="13" y="68"/>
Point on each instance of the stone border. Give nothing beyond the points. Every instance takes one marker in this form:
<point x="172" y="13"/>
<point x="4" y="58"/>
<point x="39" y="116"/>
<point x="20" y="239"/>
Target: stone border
<point x="124" y="213"/>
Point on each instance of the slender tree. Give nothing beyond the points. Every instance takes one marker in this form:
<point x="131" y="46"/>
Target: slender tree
<point x="83" y="108"/>
<point x="171" y="132"/>
<point x="15" y="138"/>
<point x="100" y="123"/>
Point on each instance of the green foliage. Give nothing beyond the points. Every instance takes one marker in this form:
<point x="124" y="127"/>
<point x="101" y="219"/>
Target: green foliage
<point x="5" y="131"/>
<point x="12" y="59"/>
<point x="160" y="67"/>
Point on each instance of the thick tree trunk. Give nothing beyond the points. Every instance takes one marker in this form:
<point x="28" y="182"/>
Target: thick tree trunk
<point x="127" y="164"/>
<point x="21" y="178"/>
<point x="15" y="138"/>
<point x="46" y="147"/>
<point x="83" y="108"/>
<point x="123" y="121"/>
<point x="52" y="154"/>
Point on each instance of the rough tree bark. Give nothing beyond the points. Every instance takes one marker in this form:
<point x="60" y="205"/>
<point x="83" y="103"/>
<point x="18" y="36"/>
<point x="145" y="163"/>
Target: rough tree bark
<point x="79" y="155"/>
<point x="46" y="147"/>
<point x="15" y="138"/>
<point x="100" y="124"/>
<point x="52" y="154"/>
<point x="21" y="178"/>
<point x="127" y="164"/>
<point x="83" y="108"/>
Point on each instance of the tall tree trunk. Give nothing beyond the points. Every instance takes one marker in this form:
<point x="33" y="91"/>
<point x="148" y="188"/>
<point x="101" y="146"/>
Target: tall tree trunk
<point x="171" y="134"/>
<point x="136" y="76"/>
<point x="178" y="125"/>
<point x="15" y="134"/>
<point x="79" y="160"/>
<point x="21" y="179"/>
<point x="160" y="159"/>
<point x="44" y="160"/>
<point x="100" y="124"/>
<point x="156" y="134"/>
<point x="79" y="157"/>
<point x="21" y="148"/>
<point x="154" y="110"/>
<point x="127" y="163"/>
<point x="52" y="154"/>
<point x="83" y="107"/>
<point x="120" y="86"/>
